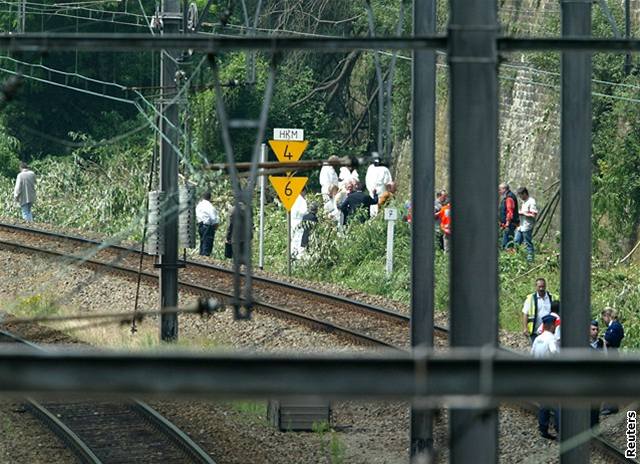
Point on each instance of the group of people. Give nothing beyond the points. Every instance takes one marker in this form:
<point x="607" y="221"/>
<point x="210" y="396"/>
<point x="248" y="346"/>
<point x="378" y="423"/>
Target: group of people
<point x="517" y="221"/>
<point x="344" y="196"/>
<point x="541" y="323"/>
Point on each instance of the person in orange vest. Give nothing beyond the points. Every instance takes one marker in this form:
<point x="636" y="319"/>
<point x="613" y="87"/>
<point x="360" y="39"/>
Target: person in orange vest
<point x="444" y="215"/>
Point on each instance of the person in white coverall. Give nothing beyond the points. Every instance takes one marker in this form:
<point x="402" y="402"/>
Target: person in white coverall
<point x="328" y="177"/>
<point x="377" y="178"/>
<point x="298" y="210"/>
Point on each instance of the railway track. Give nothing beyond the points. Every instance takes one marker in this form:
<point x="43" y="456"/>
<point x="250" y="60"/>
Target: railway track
<point x="311" y="307"/>
<point x="335" y="319"/>
<point x="109" y="432"/>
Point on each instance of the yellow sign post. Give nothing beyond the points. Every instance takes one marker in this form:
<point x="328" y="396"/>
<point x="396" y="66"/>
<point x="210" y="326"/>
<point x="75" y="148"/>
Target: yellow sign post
<point x="288" y="147"/>
<point x="288" y="188"/>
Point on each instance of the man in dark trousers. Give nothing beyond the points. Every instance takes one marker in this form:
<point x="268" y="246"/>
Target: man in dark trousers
<point x="509" y="218"/>
<point x="309" y="220"/>
<point x="612" y="338"/>
<point x="357" y="202"/>
<point x="207" y="218"/>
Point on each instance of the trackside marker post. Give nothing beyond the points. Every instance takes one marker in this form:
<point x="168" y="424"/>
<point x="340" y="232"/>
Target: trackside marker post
<point x="288" y="145"/>
<point x="391" y="216"/>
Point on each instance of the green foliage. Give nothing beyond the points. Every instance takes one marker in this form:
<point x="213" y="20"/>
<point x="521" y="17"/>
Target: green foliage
<point x="257" y="409"/>
<point x="9" y="161"/>
<point x="90" y="189"/>
<point x="332" y="447"/>
<point x="36" y="305"/>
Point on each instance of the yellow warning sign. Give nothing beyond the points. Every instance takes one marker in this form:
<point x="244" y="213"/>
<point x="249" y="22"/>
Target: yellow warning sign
<point x="288" y="150"/>
<point x="288" y="188"/>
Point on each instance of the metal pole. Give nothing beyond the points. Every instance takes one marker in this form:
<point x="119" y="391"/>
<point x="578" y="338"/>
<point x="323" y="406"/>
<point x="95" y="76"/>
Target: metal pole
<point x="289" y="243"/>
<point x="575" y="177"/>
<point x="473" y="64"/>
<point x="627" y="35"/>
<point x="263" y="158"/>
<point x="422" y="188"/>
<point x="22" y="8"/>
<point x="171" y="17"/>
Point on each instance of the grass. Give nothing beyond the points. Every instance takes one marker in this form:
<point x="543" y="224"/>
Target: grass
<point x="354" y="260"/>
<point x="36" y="305"/>
<point x="332" y="447"/>
<point x="251" y="408"/>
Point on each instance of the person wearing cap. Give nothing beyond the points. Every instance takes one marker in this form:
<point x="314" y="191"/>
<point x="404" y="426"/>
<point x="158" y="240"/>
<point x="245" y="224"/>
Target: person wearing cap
<point x="536" y="305"/>
<point x="555" y="312"/>
<point x="545" y="346"/>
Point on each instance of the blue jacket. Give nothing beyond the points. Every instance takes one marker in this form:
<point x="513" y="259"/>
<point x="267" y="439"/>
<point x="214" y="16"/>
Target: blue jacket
<point x="614" y="334"/>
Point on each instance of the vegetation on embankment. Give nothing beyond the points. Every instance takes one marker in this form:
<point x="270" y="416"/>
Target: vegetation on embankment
<point x="108" y="199"/>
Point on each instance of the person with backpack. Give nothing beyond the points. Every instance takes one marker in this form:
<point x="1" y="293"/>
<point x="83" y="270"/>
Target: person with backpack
<point x="509" y="218"/>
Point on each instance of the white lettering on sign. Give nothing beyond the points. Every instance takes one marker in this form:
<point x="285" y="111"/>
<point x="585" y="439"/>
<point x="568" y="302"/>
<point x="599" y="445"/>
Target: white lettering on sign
<point x="288" y="134"/>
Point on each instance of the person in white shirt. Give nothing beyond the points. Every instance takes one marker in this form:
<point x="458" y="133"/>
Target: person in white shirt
<point x="376" y="179"/>
<point x="528" y="212"/>
<point x="298" y="210"/>
<point x="208" y="221"/>
<point x="545" y="346"/>
<point x="555" y="312"/>
<point x="24" y="192"/>
<point x="328" y="177"/>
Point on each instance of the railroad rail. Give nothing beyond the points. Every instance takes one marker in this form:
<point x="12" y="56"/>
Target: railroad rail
<point x="308" y="306"/>
<point x="374" y="313"/>
<point x="105" y="431"/>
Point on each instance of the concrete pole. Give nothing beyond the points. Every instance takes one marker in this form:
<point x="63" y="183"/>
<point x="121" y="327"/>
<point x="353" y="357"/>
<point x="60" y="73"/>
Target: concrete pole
<point x="473" y="64"/>
<point x="171" y="18"/>
<point x="263" y="180"/>
<point x="422" y="188"/>
<point x="575" y="177"/>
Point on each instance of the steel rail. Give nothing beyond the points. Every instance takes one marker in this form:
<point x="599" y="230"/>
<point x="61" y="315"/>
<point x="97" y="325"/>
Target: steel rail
<point x="68" y="436"/>
<point x="121" y="364"/>
<point x="289" y="287"/>
<point x="82" y="450"/>
<point x="166" y="427"/>
<point x="75" y="443"/>
<point x="260" y="306"/>
<point x="383" y="312"/>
